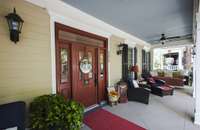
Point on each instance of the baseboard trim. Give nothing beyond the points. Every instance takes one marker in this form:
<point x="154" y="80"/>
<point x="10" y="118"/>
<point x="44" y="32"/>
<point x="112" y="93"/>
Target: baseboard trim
<point x="197" y="119"/>
<point x="101" y="104"/>
<point x="91" y="107"/>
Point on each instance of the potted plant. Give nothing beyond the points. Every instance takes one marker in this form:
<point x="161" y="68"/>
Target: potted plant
<point x="53" y="112"/>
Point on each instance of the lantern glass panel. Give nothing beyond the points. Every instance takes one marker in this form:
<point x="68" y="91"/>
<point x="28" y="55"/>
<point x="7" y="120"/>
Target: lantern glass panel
<point x="15" y="25"/>
<point x="9" y="24"/>
<point x="20" y="26"/>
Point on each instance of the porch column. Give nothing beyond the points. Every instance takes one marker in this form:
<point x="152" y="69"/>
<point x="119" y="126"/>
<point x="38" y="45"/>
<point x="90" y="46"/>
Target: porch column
<point x="197" y="68"/>
<point x="194" y="77"/>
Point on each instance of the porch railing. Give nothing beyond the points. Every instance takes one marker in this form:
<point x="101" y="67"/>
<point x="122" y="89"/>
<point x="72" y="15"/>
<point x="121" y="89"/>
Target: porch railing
<point x="171" y="67"/>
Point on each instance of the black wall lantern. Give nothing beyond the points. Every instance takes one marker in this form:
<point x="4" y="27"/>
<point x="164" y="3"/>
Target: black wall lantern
<point x="120" y="48"/>
<point x="15" y="23"/>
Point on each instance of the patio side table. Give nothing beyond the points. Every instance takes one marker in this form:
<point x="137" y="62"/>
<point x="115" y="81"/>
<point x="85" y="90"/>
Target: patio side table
<point x="122" y="90"/>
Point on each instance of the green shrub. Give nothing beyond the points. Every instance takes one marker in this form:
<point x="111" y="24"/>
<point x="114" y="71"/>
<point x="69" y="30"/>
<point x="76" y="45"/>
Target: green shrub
<point x="54" y="112"/>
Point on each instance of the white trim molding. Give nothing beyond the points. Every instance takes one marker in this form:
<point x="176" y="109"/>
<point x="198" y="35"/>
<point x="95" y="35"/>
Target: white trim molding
<point x="194" y="77"/>
<point x="146" y="48"/>
<point x="69" y="22"/>
<point x="108" y="60"/>
<point x="130" y="43"/>
<point x="53" y="57"/>
<point x="68" y="11"/>
<point x="197" y="70"/>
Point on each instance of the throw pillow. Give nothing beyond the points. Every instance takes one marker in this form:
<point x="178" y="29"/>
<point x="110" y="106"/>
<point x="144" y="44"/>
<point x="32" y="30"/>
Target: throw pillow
<point x="176" y="74"/>
<point x="135" y="84"/>
<point x="161" y="74"/>
<point x="168" y="74"/>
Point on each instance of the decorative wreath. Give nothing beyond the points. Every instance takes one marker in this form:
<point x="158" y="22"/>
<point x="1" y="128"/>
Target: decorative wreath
<point x="85" y="65"/>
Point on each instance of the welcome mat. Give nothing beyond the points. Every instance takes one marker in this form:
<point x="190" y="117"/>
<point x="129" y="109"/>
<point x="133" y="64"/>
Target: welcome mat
<point x="104" y="120"/>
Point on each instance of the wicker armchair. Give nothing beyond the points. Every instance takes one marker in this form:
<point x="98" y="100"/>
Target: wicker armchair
<point x="137" y="94"/>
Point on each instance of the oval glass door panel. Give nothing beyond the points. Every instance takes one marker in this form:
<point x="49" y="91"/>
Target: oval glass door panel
<point x="64" y="65"/>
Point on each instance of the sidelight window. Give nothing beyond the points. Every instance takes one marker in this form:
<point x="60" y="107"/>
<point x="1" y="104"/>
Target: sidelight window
<point x="101" y="65"/>
<point x="90" y="60"/>
<point x="64" y="65"/>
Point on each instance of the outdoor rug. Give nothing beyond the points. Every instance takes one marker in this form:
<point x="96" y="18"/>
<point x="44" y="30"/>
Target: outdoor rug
<point x="104" y="120"/>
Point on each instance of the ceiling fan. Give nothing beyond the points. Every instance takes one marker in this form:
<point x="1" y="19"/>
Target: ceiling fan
<point x="163" y="39"/>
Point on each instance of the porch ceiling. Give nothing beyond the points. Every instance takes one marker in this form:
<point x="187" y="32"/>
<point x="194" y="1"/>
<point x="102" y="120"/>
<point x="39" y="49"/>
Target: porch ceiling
<point x="146" y="19"/>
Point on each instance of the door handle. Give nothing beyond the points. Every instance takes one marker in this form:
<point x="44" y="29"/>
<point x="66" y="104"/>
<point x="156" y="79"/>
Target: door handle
<point x="95" y="80"/>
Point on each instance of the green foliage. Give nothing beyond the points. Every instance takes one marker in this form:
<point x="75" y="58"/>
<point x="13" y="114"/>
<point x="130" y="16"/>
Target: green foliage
<point x="53" y="111"/>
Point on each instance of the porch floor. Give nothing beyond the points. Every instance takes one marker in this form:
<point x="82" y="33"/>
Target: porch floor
<point x="167" y="113"/>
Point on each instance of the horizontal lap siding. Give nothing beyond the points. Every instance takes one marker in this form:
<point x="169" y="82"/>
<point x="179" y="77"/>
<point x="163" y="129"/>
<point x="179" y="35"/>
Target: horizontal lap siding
<point x="25" y="68"/>
<point x="115" y="60"/>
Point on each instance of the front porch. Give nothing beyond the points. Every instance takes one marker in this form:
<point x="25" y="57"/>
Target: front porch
<point x="167" y="113"/>
<point x="72" y="56"/>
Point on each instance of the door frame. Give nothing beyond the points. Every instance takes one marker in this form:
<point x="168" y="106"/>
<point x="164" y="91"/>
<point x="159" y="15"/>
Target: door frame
<point x="59" y="26"/>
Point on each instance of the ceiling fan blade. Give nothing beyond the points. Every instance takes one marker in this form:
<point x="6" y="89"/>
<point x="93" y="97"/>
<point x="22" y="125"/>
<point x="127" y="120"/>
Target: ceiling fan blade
<point x="170" y="39"/>
<point x="173" y="37"/>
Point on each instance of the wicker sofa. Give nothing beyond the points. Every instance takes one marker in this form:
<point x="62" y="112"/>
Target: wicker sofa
<point x="171" y="81"/>
<point x="174" y="78"/>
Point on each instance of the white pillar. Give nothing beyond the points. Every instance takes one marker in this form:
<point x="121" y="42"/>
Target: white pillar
<point x="197" y="71"/>
<point x="180" y="65"/>
<point x="194" y="77"/>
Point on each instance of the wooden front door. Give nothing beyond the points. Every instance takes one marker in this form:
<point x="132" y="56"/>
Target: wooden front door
<point x="72" y="46"/>
<point x="85" y="84"/>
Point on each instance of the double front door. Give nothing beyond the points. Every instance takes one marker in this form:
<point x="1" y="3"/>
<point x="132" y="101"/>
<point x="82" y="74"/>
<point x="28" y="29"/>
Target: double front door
<point x="80" y="69"/>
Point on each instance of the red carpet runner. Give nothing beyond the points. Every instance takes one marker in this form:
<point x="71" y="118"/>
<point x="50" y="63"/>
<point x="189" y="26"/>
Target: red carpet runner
<point x="104" y="120"/>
